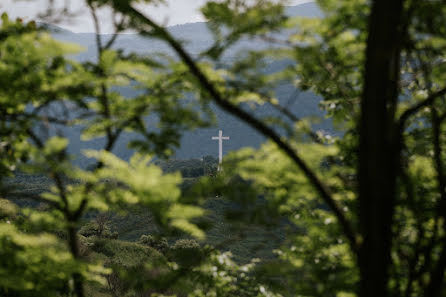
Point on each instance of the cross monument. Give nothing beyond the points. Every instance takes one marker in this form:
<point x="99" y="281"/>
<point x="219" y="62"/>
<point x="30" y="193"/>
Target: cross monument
<point x="220" y="139"/>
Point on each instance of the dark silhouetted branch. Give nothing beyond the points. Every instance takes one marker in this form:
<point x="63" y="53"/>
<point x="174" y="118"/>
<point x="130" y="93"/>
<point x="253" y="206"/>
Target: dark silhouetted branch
<point x="318" y="185"/>
<point x="417" y="107"/>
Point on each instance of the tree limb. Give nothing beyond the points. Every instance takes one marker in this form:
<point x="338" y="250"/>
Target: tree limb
<point x="97" y="29"/>
<point x="417" y="107"/>
<point x="118" y="27"/>
<point x="318" y="185"/>
<point x="437" y="274"/>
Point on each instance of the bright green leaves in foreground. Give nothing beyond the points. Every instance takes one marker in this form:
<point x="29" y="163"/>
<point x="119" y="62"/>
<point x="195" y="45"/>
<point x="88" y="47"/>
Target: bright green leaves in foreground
<point x="115" y="186"/>
<point x="146" y="96"/>
<point x="35" y="262"/>
<point x="330" y="52"/>
<point x="142" y="183"/>
<point x="39" y="249"/>
<point x="221" y="276"/>
<point x="33" y="73"/>
<point x="315" y="248"/>
<point x="232" y="20"/>
<point x="33" y="68"/>
<point x="28" y="263"/>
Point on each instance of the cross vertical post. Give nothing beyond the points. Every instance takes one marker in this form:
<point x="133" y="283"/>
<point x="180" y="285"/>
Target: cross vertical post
<point x="220" y="139"/>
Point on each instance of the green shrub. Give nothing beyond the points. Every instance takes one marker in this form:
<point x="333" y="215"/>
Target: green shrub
<point x="160" y="244"/>
<point x="94" y="229"/>
<point x="186" y="252"/>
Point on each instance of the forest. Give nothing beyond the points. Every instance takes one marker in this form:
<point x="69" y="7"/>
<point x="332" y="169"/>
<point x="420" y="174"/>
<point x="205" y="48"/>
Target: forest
<point x="334" y="183"/>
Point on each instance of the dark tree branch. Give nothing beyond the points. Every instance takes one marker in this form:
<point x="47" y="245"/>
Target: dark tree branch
<point x="80" y="210"/>
<point x="112" y="136"/>
<point x="428" y="249"/>
<point x="62" y="193"/>
<point x="72" y="219"/>
<point x="284" y="110"/>
<point x="97" y="29"/>
<point x="32" y="116"/>
<point x="437" y="274"/>
<point x="118" y="29"/>
<point x="412" y="262"/>
<point x="38" y="142"/>
<point x="379" y="145"/>
<point x="417" y="107"/>
<point x="318" y="185"/>
<point x="438" y="152"/>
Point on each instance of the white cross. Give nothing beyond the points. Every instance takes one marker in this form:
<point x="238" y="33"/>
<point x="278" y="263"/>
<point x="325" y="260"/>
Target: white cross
<point x="220" y="139"/>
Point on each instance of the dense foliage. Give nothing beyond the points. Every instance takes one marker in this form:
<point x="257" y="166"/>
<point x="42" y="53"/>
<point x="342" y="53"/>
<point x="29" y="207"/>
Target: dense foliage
<point x="364" y="212"/>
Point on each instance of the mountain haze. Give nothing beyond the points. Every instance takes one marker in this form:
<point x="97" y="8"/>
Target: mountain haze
<point x="197" y="38"/>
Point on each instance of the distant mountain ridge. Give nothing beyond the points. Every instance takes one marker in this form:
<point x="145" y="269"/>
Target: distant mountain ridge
<point x="197" y="38"/>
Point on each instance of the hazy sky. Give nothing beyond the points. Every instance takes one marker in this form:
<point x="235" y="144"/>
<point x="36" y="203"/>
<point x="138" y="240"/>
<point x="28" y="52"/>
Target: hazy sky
<point x="176" y="12"/>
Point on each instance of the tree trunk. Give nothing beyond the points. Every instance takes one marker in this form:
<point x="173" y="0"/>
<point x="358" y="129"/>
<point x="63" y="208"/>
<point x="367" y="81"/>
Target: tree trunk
<point x="379" y="152"/>
<point x="74" y="248"/>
